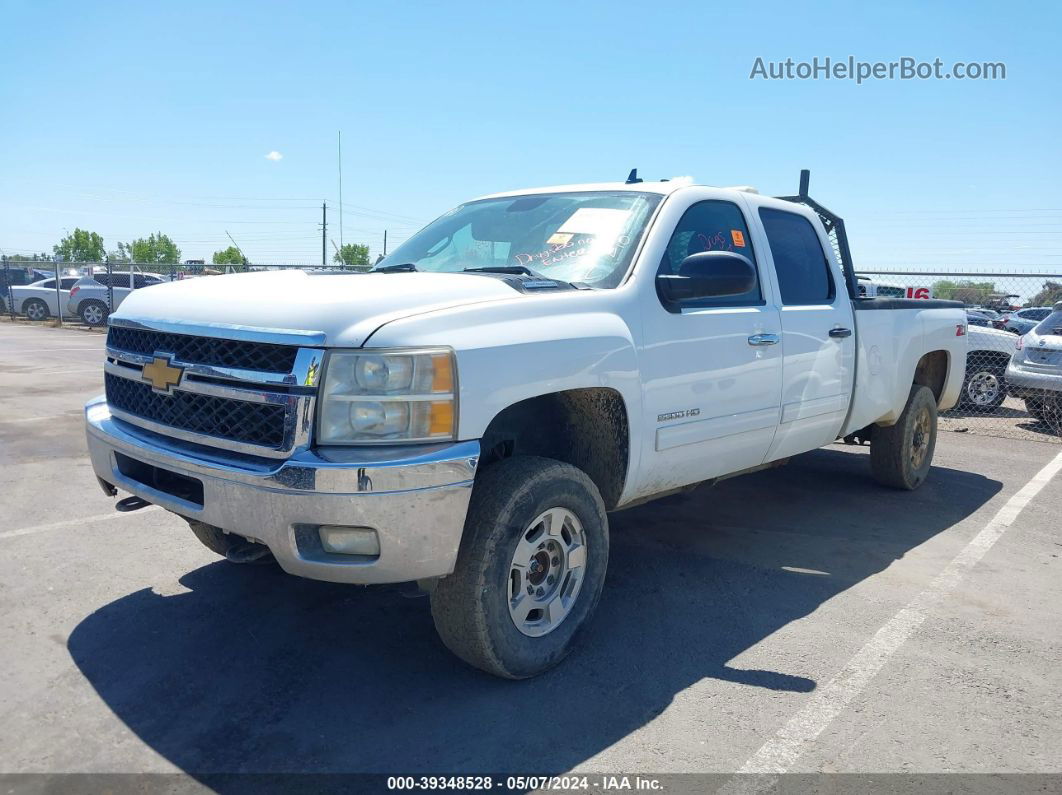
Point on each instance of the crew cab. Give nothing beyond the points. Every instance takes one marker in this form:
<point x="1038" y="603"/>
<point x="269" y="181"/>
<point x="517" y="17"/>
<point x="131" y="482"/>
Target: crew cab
<point x="468" y="413"/>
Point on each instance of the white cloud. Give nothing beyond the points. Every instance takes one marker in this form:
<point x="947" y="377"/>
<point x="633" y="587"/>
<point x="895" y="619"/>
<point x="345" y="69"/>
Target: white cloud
<point x="683" y="180"/>
<point x="274" y="156"/>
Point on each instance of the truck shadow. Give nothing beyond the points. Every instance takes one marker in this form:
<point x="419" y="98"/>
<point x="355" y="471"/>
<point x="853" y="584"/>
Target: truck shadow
<point x="253" y="670"/>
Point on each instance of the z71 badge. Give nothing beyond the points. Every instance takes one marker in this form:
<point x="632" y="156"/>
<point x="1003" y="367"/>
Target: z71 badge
<point x="677" y="415"/>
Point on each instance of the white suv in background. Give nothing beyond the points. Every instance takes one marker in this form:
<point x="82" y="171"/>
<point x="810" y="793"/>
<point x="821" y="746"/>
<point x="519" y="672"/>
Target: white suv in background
<point x="1035" y="369"/>
<point x="89" y="299"/>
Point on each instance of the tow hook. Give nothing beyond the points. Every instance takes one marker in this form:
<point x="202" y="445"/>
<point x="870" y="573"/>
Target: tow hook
<point x="133" y="503"/>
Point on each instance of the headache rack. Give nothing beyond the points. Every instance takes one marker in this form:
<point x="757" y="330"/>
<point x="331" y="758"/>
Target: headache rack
<point x="834" y="228"/>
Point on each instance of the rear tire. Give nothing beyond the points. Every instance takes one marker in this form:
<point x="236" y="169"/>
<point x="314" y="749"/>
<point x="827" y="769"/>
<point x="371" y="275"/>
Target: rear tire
<point x="1048" y="410"/>
<point x="901" y="455"/>
<point x="36" y="309"/>
<point x="93" y="313"/>
<point x="532" y="525"/>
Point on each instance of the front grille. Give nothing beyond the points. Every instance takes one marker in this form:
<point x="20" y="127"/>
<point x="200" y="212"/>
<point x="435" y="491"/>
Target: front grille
<point x="235" y="420"/>
<point x="262" y="356"/>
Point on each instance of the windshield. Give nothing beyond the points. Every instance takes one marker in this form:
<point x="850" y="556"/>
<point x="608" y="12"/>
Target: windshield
<point x="573" y="237"/>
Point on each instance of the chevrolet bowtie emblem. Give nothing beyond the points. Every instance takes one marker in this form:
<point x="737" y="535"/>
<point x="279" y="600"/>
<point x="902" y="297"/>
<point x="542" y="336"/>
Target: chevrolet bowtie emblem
<point x="161" y="374"/>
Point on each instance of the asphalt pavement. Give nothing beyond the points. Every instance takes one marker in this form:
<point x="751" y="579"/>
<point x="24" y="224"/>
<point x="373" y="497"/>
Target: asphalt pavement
<point x="802" y="617"/>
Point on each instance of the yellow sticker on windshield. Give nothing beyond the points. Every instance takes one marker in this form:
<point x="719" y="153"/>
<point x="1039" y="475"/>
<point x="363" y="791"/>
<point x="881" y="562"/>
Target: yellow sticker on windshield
<point x="558" y="239"/>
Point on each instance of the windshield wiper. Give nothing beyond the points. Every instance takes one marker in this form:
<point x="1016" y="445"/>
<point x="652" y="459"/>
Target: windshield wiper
<point x="521" y="270"/>
<point x="405" y="267"/>
<point x="518" y="270"/>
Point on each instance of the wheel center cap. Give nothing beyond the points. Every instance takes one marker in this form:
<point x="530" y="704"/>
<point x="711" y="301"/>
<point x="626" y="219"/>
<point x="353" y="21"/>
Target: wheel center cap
<point x="537" y="568"/>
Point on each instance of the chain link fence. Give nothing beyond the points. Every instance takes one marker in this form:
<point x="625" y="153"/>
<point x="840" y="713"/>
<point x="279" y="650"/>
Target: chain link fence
<point x="1001" y="307"/>
<point x="60" y="293"/>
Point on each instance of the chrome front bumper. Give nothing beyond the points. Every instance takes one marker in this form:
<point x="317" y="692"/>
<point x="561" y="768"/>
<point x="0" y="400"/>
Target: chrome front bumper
<point x="415" y="497"/>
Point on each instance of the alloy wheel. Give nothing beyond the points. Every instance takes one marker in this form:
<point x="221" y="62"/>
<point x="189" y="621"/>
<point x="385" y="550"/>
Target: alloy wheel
<point x="546" y="572"/>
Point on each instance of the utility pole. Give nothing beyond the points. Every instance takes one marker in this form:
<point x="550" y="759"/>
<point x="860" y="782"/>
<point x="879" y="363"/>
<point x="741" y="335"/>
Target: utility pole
<point x="242" y="255"/>
<point x="385" y="242"/>
<point x="341" y="189"/>
<point x="324" y="233"/>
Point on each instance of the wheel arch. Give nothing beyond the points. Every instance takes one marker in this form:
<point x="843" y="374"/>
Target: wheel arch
<point x="588" y="428"/>
<point x="932" y="371"/>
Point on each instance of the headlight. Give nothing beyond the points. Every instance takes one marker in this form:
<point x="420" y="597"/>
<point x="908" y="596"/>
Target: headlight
<point x="387" y="396"/>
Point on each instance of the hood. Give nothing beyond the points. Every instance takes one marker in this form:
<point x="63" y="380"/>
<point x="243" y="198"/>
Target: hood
<point x="346" y="308"/>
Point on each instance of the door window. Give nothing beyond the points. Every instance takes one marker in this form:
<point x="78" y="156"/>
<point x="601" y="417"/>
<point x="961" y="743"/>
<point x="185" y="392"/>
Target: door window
<point x="804" y="276"/>
<point x="712" y="226"/>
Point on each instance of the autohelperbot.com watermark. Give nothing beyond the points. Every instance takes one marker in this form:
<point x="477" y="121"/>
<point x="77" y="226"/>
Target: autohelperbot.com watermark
<point x="851" y="68"/>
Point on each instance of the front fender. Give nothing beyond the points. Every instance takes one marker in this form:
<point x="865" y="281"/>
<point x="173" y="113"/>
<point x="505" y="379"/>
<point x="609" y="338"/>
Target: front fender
<point x="511" y="351"/>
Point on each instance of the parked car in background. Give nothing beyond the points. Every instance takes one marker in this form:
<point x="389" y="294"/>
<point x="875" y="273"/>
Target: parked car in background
<point x="1024" y="320"/>
<point x="1035" y="369"/>
<point x="38" y="301"/>
<point x="977" y="319"/>
<point x="89" y="296"/>
<point x="17" y="277"/>
<point x="985" y="385"/>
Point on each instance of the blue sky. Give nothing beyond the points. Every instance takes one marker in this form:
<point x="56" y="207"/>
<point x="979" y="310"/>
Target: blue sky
<point x="127" y="118"/>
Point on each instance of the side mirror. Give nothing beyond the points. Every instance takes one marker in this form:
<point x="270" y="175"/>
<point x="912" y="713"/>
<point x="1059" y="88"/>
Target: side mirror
<point x="707" y="274"/>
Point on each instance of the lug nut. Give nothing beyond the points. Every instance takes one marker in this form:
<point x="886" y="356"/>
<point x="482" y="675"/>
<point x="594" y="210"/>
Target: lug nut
<point x="550" y="579"/>
<point x="555" y="560"/>
<point x="539" y="592"/>
<point x="530" y="589"/>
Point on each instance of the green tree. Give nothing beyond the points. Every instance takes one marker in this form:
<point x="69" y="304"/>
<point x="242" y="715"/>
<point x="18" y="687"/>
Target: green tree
<point x="42" y="257"/>
<point x="156" y="249"/>
<point x="353" y="255"/>
<point x="229" y="256"/>
<point x="969" y="292"/>
<point x="122" y="254"/>
<point x="1049" y="296"/>
<point x="81" y="246"/>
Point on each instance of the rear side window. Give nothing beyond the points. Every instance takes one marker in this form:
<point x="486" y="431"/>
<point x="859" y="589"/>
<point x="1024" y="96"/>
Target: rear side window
<point x="804" y="275"/>
<point x="712" y="225"/>
<point x="1051" y="325"/>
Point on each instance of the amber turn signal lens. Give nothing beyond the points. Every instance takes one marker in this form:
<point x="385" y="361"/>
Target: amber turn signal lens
<point x="442" y="418"/>
<point x="442" y="380"/>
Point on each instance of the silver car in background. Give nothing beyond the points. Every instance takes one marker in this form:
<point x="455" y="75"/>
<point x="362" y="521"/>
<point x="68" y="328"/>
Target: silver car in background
<point x="89" y="298"/>
<point x="1035" y="369"/>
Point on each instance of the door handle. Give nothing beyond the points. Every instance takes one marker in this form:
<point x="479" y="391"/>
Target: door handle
<point x="840" y="333"/>
<point x="764" y="339"/>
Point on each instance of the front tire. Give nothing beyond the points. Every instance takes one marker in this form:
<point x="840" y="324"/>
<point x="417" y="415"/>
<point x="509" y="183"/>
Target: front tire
<point x="902" y="454"/>
<point x="530" y="569"/>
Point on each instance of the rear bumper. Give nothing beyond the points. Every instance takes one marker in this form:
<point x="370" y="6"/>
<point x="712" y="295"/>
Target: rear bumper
<point x="1028" y="383"/>
<point x="415" y="497"/>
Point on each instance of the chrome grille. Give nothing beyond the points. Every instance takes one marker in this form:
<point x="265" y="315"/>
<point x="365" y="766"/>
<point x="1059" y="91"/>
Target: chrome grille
<point x="261" y="356"/>
<point x="244" y="390"/>
<point x="235" y="420"/>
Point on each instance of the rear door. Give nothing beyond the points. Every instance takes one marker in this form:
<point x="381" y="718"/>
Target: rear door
<point x="818" y="335"/>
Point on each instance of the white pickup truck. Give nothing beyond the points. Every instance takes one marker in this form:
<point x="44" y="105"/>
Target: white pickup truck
<point x="466" y="415"/>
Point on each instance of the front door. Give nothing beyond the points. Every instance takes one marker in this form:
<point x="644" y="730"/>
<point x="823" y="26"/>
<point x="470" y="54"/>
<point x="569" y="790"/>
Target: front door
<point x="712" y="369"/>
